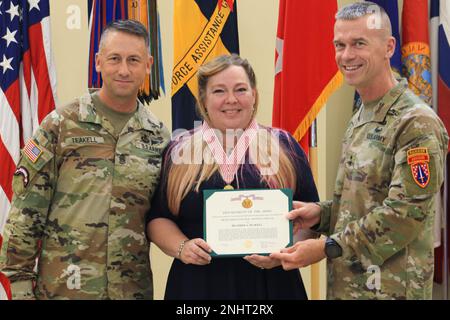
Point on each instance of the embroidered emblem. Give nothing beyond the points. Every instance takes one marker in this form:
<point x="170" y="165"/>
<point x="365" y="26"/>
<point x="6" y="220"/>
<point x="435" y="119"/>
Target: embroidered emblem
<point x="147" y="146"/>
<point x="22" y="171"/>
<point x="85" y="140"/>
<point x="418" y="159"/>
<point x="32" y="151"/>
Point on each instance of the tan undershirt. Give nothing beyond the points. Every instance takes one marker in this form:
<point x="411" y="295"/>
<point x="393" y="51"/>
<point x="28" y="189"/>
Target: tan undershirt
<point x="117" y="119"/>
<point x="368" y="110"/>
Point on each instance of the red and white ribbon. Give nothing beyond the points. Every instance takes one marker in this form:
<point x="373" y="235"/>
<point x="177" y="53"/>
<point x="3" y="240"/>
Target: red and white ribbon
<point x="228" y="165"/>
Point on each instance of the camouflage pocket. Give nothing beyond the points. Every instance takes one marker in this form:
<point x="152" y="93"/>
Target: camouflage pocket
<point x="28" y="167"/>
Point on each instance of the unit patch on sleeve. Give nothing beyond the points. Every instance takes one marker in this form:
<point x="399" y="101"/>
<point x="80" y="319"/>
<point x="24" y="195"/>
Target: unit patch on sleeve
<point x="418" y="159"/>
<point x="22" y="171"/>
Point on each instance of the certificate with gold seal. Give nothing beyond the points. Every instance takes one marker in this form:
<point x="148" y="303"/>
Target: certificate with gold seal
<point x="247" y="221"/>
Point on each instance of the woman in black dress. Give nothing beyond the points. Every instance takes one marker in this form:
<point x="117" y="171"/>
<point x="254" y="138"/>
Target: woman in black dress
<point x="228" y="101"/>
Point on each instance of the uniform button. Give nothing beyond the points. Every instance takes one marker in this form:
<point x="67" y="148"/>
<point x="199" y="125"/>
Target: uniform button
<point x="122" y="159"/>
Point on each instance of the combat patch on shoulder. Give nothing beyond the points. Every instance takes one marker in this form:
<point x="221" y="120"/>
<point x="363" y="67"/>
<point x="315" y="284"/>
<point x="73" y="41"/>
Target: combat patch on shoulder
<point x="418" y="159"/>
<point x="22" y="171"/>
<point x="32" y="151"/>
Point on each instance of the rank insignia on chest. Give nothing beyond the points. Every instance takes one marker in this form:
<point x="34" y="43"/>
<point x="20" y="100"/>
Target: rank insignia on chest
<point x="32" y="151"/>
<point x="418" y="160"/>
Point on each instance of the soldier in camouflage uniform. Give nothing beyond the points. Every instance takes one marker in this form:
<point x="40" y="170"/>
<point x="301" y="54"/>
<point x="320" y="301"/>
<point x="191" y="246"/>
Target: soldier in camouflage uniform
<point x="380" y="222"/>
<point x="84" y="183"/>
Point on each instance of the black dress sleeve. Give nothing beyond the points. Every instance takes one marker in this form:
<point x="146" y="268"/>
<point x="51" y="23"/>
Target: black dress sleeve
<point x="159" y="207"/>
<point x="306" y="188"/>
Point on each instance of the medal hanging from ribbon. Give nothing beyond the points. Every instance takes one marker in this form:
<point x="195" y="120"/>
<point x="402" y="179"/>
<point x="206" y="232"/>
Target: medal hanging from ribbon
<point x="228" y="165"/>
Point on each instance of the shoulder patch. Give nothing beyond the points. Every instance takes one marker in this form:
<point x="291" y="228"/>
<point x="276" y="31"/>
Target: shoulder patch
<point x="22" y="171"/>
<point x="418" y="159"/>
<point x="32" y="151"/>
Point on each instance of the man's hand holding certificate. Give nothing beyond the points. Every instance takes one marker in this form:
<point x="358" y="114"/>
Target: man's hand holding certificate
<point x="243" y="222"/>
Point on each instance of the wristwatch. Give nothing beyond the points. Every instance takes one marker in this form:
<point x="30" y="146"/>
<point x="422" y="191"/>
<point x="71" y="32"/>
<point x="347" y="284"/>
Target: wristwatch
<point x="332" y="249"/>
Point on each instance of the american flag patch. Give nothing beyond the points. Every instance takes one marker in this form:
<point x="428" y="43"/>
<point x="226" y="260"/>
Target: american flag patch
<point x="32" y="151"/>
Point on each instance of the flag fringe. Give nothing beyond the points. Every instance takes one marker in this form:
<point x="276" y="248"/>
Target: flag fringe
<point x="332" y="85"/>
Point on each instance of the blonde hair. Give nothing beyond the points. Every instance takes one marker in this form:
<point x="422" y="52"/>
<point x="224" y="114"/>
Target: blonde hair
<point x="263" y="150"/>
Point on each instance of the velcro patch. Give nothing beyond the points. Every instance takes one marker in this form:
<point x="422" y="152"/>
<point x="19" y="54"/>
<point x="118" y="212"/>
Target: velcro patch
<point x="22" y="171"/>
<point x="85" y="140"/>
<point x="32" y="151"/>
<point x="418" y="159"/>
<point x="147" y="146"/>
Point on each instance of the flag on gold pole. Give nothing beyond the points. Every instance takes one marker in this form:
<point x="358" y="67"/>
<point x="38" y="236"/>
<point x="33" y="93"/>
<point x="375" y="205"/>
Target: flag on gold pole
<point x="305" y="74"/>
<point x="305" y="70"/>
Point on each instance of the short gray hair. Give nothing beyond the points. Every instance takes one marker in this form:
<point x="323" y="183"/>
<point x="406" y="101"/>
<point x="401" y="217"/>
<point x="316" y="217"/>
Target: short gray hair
<point x="357" y="10"/>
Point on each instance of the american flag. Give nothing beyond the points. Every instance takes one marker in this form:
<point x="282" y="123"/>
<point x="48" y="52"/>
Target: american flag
<point x="32" y="151"/>
<point x="27" y="81"/>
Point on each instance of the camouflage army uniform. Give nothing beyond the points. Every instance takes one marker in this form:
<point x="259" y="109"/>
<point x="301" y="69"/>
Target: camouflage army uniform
<point x="83" y="203"/>
<point x="382" y="218"/>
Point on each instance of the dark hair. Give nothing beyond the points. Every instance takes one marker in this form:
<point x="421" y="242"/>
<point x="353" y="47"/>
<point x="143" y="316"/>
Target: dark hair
<point x="132" y="27"/>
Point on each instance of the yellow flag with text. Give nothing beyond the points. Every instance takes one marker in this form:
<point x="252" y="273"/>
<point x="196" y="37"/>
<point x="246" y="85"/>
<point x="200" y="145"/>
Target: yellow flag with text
<point x="203" y="30"/>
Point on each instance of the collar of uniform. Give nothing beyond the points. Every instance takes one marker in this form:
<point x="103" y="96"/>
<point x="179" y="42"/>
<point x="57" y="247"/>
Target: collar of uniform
<point x="382" y="108"/>
<point x="143" y="119"/>
<point x="87" y="109"/>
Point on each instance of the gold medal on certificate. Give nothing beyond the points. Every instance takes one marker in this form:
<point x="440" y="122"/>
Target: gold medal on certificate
<point x="228" y="187"/>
